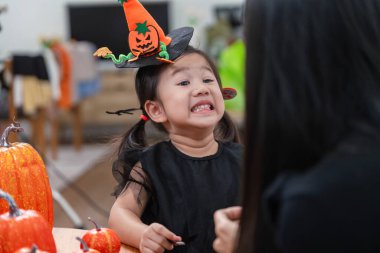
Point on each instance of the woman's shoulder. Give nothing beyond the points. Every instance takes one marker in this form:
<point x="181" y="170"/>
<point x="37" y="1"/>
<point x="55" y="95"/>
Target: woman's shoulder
<point x="352" y="163"/>
<point x="336" y="171"/>
<point x="338" y="193"/>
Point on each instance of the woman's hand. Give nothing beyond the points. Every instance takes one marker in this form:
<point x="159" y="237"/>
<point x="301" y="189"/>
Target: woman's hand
<point x="157" y="238"/>
<point x="226" y="229"/>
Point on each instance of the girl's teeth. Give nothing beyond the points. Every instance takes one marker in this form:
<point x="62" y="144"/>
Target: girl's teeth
<point x="201" y="107"/>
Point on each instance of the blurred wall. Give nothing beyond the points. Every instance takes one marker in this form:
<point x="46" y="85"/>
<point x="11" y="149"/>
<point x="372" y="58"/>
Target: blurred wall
<point x="25" y="22"/>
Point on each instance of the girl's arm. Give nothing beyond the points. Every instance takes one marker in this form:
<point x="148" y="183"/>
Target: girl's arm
<point x="125" y="218"/>
<point x="126" y="211"/>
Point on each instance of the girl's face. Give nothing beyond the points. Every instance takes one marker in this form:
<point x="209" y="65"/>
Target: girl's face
<point x="189" y="95"/>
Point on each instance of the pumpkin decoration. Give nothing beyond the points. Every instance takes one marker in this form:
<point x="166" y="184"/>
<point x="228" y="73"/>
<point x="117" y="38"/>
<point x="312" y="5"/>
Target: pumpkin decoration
<point x="85" y="248"/>
<point x="103" y="239"/>
<point x="23" y="175"/>
<point x="34" y="249"/>
<point x="147" y="41"/>
<point x="23" y="228"/>
<point x="143" y="40"/>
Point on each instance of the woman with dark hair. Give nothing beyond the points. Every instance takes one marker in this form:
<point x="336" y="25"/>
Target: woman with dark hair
<point x="312" y="165"/>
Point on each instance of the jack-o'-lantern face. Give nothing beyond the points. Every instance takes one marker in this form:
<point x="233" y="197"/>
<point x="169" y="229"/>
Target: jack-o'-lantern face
<point x="143" y="40"/>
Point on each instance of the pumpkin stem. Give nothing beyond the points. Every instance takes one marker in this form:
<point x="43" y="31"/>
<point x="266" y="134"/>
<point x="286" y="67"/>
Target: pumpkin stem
<point x="96" y="225"/>
<point x="14" y="127"/>
<point x="34" y="249"/>
<point x="14" y="211"/>
<point x="84" y="244"/>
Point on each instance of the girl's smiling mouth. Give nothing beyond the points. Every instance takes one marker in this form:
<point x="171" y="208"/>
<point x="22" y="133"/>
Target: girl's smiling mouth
<point x="202" y="106"/>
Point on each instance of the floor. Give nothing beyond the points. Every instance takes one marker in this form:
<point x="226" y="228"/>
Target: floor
<point x="90" y="186"/>
<point x="84" y="179"/>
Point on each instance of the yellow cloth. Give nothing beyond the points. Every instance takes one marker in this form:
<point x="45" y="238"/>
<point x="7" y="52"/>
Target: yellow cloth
<point x="36" y="94"/>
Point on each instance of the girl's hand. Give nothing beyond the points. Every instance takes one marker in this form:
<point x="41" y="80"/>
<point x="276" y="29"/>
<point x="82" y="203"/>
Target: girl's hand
<point x="226" y="229"/>
<point x="157" y="238"/>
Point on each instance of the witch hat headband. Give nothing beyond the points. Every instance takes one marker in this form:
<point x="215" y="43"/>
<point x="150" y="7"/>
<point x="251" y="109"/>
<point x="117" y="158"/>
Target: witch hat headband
<point x="148" y="43"/>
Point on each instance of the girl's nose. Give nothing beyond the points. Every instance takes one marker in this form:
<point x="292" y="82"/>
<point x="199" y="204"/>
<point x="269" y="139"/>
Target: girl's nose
<point x="200" y="91"/>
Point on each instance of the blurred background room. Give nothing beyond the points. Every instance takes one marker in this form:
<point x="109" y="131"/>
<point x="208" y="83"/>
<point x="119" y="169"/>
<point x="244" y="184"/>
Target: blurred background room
<point x="59" y="92"/>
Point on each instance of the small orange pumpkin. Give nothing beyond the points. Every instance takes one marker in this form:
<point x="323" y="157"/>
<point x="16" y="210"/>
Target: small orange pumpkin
<point x="84" y="247"/>
<point x="22" y="228"/>
<point x="23" y="175"/>
<point x="143" y="40"/>
<point x="103" y="239"/>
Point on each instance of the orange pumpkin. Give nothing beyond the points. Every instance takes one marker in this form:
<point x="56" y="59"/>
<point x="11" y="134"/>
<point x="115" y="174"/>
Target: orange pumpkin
<point x="34" y="249"/>
<point x="85" y="248"/>
<point x="23" y="228"/>
<point x="23" y="175"/>
<point x="143" y="40"/>
<point x="103" y="239"/>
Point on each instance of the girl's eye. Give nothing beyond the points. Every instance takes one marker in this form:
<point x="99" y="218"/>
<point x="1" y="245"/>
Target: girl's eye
<point x="183" y="83"/>
<point x="208" y="80"/>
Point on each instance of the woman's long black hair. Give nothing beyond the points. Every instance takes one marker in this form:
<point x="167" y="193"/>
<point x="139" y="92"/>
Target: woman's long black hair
<point x="134" y="140"/>
<point x="312" y="77"/>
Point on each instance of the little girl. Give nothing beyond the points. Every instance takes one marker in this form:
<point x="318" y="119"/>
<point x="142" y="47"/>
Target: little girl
<point x="168" y="192"/>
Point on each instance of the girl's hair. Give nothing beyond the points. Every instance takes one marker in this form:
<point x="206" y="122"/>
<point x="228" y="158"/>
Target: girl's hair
<point x="313" y="77"/>
<point x="134" y="140"/>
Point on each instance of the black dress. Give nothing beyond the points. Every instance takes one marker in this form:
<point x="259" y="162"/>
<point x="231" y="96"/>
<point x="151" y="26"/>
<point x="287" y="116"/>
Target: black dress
<point x="187" y="190"/>
<point x="333" y="207"/>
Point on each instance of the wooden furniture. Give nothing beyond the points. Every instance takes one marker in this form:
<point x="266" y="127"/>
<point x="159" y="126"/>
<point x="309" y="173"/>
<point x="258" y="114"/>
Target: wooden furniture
<point x="65" y="240"/>
<point x="37" y="123"/>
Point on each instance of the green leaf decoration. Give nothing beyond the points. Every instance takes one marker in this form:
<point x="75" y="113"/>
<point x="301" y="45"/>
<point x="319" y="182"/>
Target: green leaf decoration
<point x="142" y="28"/>
<point x="121" y="1"/>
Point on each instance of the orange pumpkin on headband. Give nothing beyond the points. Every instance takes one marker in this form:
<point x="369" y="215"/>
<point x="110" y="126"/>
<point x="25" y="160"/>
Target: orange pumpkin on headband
<point x="143" y="40"/>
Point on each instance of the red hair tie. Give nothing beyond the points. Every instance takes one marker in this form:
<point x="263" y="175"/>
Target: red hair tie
<point x="143" y="117"/>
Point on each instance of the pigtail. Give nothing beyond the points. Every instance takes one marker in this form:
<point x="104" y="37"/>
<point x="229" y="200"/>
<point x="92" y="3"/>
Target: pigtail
<point x="134" y="141"/>
<point x="226" y="130"/>
<point x="131" y="145"/>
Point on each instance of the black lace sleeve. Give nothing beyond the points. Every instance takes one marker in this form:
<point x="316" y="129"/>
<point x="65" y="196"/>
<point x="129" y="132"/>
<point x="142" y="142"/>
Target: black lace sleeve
<point x="131" y="176"/>
<point x="139" y="181"/>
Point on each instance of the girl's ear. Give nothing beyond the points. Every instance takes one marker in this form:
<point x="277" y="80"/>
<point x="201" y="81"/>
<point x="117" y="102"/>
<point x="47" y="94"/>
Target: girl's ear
<point x="155" y="111"/>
